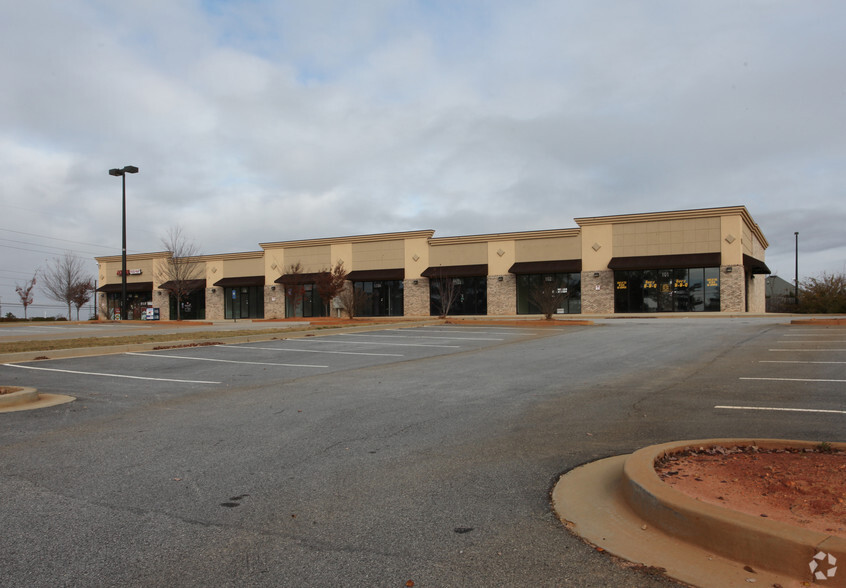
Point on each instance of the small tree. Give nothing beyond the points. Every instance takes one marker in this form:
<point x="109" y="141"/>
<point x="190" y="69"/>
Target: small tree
<point x="25" y="292"/>
<point x="60" y="278"/>
<point x="353" y="299"/>
<point x="330" y="283"/>
<point x="180" y="268"/>
<point x="446" y="289"/>
<point x="548" y="296"/>
<point x="294" y="286"/>
<point x="825" y="294"/>
<point x="81" y="293"/>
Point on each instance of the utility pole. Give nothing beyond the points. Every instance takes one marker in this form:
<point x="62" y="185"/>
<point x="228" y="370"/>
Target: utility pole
<point x="796" y="274"/>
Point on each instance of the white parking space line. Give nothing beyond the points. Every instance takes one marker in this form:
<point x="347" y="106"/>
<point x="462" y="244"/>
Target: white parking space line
<point x="780" y="409"/>
<point x="806" y="342"/>
<point x="420" y="337"/>
<point x="797" y="361"/>
<point x="29" y="367"/>
<point x="239" y="347"/>
<point x="795" y="350"/>
<point x="429" y="330"/>
<point x="324" y="340"/>
<point x="164" y="356"/>
<point x="792" y="380"/>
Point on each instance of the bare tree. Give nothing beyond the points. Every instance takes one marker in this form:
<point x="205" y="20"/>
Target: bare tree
<point x="181" y="268"/>
<point x="353" y="299"/>
<point x="445" y="289"/>
<point x="61" y="276"/>
<point x="330" y="283"/>
<point x="548" y="296"/>
<point x="25" y="292"/>
<point x="294" y="286"/>
<point x="81" y="293"/>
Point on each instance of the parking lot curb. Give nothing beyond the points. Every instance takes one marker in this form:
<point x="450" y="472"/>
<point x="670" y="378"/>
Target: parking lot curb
<point x="614" y="502"/>
<point x="223" y="339"/>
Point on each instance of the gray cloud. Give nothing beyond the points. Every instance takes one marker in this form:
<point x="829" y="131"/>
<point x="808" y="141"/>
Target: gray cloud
<point x="262" y="121"/>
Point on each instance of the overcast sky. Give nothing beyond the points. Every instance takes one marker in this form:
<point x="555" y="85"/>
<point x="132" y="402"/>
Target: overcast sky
<point x="255" y="121"/>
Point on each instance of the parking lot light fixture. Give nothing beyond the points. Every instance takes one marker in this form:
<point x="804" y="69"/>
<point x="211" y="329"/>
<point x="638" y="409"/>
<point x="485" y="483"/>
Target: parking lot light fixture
<point x="129" y="169"/>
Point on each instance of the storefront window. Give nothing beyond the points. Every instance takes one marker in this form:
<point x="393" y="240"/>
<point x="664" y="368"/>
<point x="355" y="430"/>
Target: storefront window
<point x="383" y="298"/>
<point x="667" y="290"/>
<point x="136" y="302"/>
<point x="469" y="295"/>
<point x="243" y="302"/>
<point x="567" y="286"/>
<point x="303" y="301"/>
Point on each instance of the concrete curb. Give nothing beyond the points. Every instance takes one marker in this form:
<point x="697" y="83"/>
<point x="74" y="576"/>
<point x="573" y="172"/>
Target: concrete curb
<point x="222" y="339"/>
<point x="620" y="504"/>
<point x="29" y="399"/>
<point x="770" y="545"/>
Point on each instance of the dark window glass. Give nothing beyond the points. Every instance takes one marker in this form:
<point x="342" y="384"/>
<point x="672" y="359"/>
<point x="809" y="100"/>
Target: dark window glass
<point x="667" y="290"/>
<point x="384" y="298"/>
<point x="712" y="289"/>
<point x="470" y="295"/>
<point x="568" y="285"/>
<point x="243" y="302"/>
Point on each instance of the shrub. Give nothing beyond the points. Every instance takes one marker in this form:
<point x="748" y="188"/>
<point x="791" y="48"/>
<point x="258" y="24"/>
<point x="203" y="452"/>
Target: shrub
<point x="823" y="295"/>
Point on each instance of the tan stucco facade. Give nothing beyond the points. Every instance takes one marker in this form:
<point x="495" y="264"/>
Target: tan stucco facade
<point x="592" y="254"/>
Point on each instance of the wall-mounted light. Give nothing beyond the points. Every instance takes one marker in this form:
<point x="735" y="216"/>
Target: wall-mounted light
<point x="596" y="274"/>
<point x="273" y="288"/>
<point x="728" y="270"/>
<point x="415" y="282"/>
<point x="213" y="290"/>
<point x="499" y="279"/>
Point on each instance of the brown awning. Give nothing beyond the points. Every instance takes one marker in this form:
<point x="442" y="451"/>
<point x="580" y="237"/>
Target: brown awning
<point x="296" y="279"/>
<point x="187" y="285"/>
<point x="755" y="266"/>
<point x="561" y="266"/>
<point x="455" y="271"/>
<point x="376" y="275"/>
<point x="130" y="287"/>
<point x="242" y="281"/>
<point x="665" y="261"/>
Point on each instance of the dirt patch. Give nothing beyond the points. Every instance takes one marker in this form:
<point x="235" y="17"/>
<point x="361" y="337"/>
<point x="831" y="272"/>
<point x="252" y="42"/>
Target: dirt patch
<point x="806" y="488"/>
<point x="9" y="389"/>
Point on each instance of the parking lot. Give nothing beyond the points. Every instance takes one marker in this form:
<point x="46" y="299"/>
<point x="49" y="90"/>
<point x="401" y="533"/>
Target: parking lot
<point x="421" y="454"/>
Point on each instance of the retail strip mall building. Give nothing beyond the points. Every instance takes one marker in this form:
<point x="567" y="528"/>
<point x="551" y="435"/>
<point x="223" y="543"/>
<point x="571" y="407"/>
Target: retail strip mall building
<point x="705" y="260"/>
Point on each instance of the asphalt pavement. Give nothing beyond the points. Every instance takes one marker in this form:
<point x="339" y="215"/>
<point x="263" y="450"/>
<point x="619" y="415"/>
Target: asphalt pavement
<point x="421" y="455"/>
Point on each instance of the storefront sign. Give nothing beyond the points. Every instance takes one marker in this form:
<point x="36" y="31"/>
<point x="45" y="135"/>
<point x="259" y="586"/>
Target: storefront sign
<point x="132" y="272"/>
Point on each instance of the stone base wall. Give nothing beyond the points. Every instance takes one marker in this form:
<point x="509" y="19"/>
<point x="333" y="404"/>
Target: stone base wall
<point x="161" y="300"/>
<point x="416" y="297"/>
<point x="601" y="300"/>
<point x="274" y="302"/>
<point x="214" y="304"/>
<point x="502" y="295"/>
<point x="732" y="289"/>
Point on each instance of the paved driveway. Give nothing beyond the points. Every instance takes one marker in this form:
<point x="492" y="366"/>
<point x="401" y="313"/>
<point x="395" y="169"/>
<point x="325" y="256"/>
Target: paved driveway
<point x="374" y="459"/>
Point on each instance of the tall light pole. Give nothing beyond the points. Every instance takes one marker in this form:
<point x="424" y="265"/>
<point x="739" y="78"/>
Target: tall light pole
<point x="129" y="169"/>
<point x="796" y="274"/>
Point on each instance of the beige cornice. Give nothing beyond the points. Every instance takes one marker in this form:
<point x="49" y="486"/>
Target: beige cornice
<point x="521" y="236"/>
<point x="678" y="215"/>
<point x="132" y="257"/>
<point x="426" y="234"/>
<point x="228" y="256"/>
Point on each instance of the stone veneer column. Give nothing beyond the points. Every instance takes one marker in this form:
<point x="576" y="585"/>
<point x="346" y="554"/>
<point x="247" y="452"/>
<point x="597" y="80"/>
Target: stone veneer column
<point x="274" y="302"/>
<point x="415" y="297"/>
<point x="502" y="295"/>
<point x="598" y="301"/>
<point x="214" y="304"/>
<point x="732" y="289"/>
<point x="161" y="300"/>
